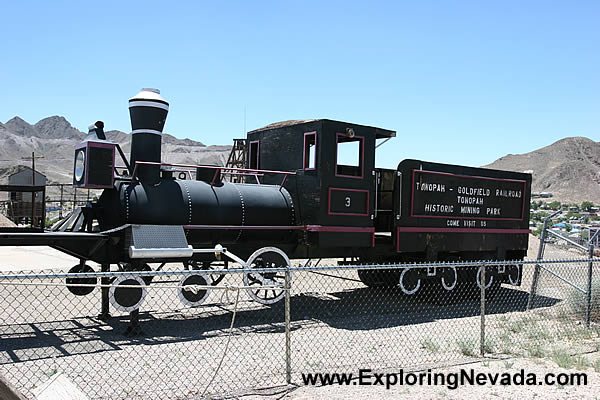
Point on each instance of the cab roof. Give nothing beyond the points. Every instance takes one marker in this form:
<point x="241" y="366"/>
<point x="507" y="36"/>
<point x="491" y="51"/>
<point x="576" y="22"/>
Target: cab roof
<point x="379" y="132"/>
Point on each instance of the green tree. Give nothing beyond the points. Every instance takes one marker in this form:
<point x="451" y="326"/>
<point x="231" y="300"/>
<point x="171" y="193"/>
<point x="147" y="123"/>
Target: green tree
<point x="555" y="205"/>
<point x="587" y="205"/>
<point x="539" y="216"/>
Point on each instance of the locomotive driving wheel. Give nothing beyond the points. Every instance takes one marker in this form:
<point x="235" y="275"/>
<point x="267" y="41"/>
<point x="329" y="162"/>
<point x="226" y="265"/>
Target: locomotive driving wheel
<point x="267" y="257"/>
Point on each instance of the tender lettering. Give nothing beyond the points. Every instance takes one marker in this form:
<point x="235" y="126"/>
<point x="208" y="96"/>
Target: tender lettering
<point x="431" y="187"/>
<point x="469" y="191"/>
<point x="508" y="193"/>
<point x="439" y="208"/>
<point x="478" y="201"/>
<point x="456" y="199"/>
<point x="470" y="210"/>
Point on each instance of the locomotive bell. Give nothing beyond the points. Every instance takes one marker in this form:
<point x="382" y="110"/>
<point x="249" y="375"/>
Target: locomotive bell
<point x="148" y="112"/>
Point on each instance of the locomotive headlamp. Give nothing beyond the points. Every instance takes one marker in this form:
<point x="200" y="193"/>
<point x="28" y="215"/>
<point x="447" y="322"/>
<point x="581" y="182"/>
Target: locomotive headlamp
<point x="350" y="132"/>
<point x="94" y="161"/>
<point x="79" y="165"/>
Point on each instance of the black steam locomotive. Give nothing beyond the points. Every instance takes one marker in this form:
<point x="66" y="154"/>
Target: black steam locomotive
<point x="310" y="190"/>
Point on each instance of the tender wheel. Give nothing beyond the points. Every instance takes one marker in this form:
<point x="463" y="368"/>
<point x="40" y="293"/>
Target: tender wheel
<point x="489" y="278"/>
<point x="193" y="296"/>
<point x="267" y="257"/>
<point x="514" y="274"/>
<point x="127" y="299"/>
<point x="449" y="278"/>
<point x="81" y="290"/>
<point x="492" y="286"/>
<point x="409" y="281"/>
<point x="379" y="277"/>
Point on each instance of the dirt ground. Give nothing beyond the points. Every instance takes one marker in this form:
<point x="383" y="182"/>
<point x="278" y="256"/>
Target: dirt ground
<point x="33" y="258"/>
<point x="589" y="363"/>
<point x="338" y="325"/>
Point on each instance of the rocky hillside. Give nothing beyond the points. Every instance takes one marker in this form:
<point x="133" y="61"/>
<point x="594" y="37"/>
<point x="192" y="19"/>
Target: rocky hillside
<point x="569" y="169"/>
<point x="55" y="138"/>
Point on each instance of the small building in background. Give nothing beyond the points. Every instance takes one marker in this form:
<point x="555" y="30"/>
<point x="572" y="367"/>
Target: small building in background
<point x="24" y="177"/>
<point x="21" y="209"/>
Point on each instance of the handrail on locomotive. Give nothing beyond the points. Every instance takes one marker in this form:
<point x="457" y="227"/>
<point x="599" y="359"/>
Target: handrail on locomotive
<point x="218" y="170"/>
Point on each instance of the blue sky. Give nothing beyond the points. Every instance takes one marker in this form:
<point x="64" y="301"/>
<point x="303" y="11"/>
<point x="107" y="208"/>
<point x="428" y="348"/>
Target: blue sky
<point x="461" y="82"/>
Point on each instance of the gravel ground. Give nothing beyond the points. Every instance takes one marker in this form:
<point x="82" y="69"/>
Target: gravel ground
<point x="338" y="325"/>
<point x="15" y="258"/>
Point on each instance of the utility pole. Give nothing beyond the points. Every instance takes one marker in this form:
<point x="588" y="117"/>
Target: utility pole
<point x="32" y="158"/>
<point x="60" y="212"/>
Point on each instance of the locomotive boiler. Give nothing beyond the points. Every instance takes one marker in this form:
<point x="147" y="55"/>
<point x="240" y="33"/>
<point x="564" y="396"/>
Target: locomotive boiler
<point x="156" y="197"/>
<point x="310" y="190"/>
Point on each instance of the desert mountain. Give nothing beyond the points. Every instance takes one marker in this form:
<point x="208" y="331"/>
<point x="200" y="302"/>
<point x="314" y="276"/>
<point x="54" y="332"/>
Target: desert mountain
<point x="568" y="169"/>
<point x="54" y="138"/>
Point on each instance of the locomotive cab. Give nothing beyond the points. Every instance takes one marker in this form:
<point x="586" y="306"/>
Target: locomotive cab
<point x="335" y="182"/>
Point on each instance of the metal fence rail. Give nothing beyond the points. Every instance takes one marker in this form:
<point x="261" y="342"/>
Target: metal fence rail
<point x="326" y="321"/>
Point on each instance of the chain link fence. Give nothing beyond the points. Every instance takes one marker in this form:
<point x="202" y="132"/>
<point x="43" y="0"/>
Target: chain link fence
<point x="326" y="321"/>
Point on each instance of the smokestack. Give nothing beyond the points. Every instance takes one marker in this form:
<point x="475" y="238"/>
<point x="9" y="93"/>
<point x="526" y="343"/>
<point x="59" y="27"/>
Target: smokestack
<point x="148" y="112"/>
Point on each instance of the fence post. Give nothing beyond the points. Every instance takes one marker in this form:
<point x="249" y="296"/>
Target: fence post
<point x="482" y="323"/>
<point x="588" y="295"/>
<point x="536" y="271"/>
<point x="288" y="333"/>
